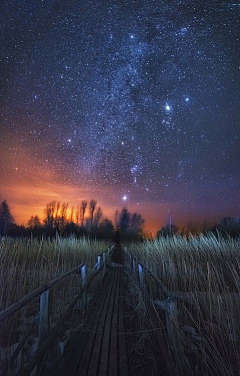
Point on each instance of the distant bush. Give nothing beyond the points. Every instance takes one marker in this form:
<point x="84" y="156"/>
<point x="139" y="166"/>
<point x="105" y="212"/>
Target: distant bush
<point x="229" y="227"/>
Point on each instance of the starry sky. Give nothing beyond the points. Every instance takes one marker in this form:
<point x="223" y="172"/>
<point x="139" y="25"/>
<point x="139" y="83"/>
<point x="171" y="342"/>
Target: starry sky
<point x="129" y="102"/>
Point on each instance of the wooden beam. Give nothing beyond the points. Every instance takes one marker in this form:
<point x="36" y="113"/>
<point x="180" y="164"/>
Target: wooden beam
<point x="43" y="316"/>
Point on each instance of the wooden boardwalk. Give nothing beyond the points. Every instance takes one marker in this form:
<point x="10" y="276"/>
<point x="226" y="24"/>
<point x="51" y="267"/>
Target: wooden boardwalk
<point x="109" y="340"/>
<point x="104" y="352"/>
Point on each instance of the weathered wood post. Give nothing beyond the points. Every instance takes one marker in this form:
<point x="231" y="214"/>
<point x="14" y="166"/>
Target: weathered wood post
<point x="133" y="264"/>
<point x="83" y="284"/>
<point x="170" y="308"/>
<point x="100" y="261"/>
<point x="140" y="275"/>
<point x="43" y="315"/>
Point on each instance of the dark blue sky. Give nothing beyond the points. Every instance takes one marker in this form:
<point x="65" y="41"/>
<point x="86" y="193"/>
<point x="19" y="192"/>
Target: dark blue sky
<point x="131" y="102"/>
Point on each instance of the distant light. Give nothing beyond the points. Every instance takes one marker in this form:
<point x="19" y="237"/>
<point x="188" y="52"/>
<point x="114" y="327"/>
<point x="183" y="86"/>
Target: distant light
<point x="124" y="198"/>
<point x="122" y="143"/>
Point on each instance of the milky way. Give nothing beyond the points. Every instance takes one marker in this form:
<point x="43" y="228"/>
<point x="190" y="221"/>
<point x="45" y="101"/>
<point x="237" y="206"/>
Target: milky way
<point x="140" y="97"/>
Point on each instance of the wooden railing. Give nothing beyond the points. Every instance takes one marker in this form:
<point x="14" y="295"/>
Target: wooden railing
<point x="46" y="336"/>
<point x="169" y="304"/>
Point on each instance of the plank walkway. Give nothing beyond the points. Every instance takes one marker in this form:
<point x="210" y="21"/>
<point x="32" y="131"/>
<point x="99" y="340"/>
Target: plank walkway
<point x="104" y="352"/>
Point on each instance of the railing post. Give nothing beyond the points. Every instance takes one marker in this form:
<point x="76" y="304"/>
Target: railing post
<point x="83" y="284"/>
<point x="99" y="262"/>
<point x="140" y="275"/>
<point x="133" y="265"/>
<point x="43" y="315"/>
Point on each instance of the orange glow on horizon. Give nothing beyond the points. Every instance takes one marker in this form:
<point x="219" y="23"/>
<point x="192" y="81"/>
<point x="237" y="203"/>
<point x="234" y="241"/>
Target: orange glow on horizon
<point x="28" y="188"/>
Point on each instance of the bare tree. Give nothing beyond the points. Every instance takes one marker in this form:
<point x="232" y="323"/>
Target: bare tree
<point x="77" y="215"/>
<point x="72" y="215"/>
<point x="82" y="213"/>
<point x="63" y="216"/>
<point x="97" y="218"/>
<point x="49" y="212"/>
<point x="92" y="207"/>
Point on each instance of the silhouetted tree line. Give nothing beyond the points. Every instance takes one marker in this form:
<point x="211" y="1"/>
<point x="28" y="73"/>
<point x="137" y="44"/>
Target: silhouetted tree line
<point x="87" y="220"/>
<point x="228" y="226"/>
<point x="84" y="220"/>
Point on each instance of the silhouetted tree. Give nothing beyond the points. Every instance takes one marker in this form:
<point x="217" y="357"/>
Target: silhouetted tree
<point x="229" y="227"/>
<point x="55" y="217"/>
<point x="34" y="222"/>
<point x="6" y="218"/>
<point x="92" y="207"/>
<point x="97" y="217"/>
<point x="83" y="209"/>
<point x="50" y="214"/>
<point x="123" y="220"/>
<point x="62" y="220"/>
<point x="105" y="229"/>
<point x="130" y="225"/>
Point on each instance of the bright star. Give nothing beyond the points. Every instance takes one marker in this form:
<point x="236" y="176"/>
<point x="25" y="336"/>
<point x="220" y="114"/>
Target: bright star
<point x="69" y="140"/>
<point x="167" y="107"/>
<point x="187" y="99"/>
<point x="124" y="198"/>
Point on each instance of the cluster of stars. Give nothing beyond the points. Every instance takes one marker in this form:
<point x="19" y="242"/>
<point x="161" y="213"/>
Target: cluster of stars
<point x="141" y="98"/>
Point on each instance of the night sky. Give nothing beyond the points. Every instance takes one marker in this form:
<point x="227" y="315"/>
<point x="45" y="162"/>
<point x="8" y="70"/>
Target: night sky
<point x="129" y="102"/>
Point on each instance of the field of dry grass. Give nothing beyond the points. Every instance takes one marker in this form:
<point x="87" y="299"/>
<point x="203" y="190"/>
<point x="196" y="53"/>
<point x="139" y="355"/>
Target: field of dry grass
<point x="26" y="264"/>
<point x="205" y="272"/>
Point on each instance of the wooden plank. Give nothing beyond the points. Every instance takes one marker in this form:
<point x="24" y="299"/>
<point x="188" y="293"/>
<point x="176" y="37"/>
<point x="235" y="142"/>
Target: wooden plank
<point x="122" y="348"/>
<point x="102" y="326"/>
<point x="76" y="348"/>
<point x="85" y="360"/>
<point x="110" y="332"/>
<point x="43" y="316"/>
<point x="113" y="345"/>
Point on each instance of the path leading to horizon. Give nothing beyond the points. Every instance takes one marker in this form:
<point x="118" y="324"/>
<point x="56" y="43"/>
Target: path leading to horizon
<point x="110" y="342"/>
